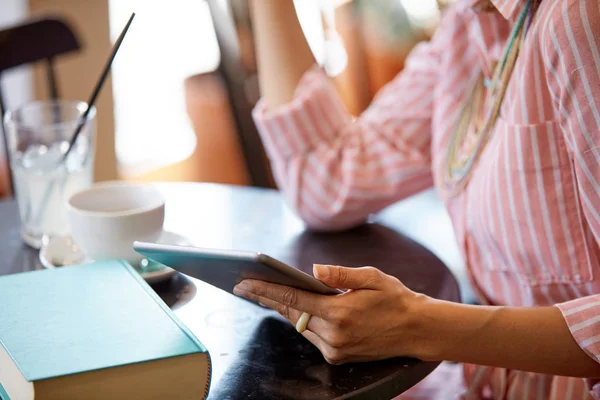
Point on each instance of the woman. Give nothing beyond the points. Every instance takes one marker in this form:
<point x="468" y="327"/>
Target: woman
<point x="500" y="112"/>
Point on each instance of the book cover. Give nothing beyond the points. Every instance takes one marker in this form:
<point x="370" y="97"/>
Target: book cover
<point x="77" y="319"/>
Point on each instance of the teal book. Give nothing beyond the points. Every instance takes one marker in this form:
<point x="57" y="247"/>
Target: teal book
<point x="3" y="394"/>
<point x="94" y="331"/>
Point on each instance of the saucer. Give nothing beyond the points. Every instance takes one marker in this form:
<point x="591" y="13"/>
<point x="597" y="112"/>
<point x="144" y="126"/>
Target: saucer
<point x="60" y="251"/>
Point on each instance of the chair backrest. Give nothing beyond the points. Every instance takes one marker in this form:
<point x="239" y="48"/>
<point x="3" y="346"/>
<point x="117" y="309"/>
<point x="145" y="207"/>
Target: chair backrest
<point x="238" y="69"/>
<point x="31" y="42"/>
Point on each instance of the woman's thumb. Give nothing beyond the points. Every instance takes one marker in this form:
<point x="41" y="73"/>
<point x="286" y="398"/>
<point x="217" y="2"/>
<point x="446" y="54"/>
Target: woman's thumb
<point x="348" y="278"/>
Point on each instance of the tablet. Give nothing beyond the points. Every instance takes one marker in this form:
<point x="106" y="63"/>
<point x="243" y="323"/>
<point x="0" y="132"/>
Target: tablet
<point x="226" y="268"/>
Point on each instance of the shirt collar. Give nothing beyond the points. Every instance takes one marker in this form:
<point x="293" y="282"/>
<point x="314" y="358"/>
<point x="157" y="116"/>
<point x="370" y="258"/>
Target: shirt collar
<point x="508" y="8"/>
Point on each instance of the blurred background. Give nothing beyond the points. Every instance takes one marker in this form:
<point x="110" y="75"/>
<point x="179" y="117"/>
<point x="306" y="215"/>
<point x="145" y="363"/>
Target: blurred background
<point x="177" y="104"/>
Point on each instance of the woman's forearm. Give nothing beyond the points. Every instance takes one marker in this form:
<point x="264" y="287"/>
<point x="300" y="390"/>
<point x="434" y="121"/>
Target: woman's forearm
<point x="283" y="54"/>
<point x="527" y="339"/>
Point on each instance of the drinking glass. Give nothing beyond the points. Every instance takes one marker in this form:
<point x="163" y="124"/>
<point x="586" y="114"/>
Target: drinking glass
<point x="38" y="135"/>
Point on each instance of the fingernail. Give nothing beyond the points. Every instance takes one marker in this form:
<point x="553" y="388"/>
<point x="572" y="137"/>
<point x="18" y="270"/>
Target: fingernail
<point x="321" y="271"/>
<point x="242" y="287"/>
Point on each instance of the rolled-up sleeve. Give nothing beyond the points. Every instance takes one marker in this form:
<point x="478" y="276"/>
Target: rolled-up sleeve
<point x="583" y="319"/>
<point x="335" y="170"/>
<point x="315" y="116"/>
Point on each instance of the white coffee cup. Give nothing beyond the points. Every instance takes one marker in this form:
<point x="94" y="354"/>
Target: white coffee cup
<point x="108" y="217"/>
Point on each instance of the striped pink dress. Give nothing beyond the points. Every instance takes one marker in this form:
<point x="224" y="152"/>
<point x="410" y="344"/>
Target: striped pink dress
<point x="528" y="223"/>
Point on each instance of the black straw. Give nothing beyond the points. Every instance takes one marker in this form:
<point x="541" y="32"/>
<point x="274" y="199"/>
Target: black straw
<point x="83" y="118"/>
<point x="98" y="87"/>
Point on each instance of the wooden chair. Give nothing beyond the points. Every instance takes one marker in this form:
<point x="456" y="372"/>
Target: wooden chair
<point x="36" y="41"/>
<point x="238" y="70"/>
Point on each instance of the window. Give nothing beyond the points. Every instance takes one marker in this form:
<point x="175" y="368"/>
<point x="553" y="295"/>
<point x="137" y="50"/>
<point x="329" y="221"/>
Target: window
<point x="166" y="43"/>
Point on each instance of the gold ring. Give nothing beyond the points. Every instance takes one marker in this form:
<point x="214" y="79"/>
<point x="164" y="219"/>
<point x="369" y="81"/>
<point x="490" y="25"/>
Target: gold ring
<point x="302" y="322"/>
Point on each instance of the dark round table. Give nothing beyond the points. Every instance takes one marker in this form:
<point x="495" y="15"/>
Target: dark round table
<point x="256" y="354"/>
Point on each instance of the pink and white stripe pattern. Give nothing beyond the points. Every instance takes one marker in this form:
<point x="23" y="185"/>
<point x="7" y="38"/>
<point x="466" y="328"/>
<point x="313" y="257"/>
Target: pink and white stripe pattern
<point x="528" y="222"/>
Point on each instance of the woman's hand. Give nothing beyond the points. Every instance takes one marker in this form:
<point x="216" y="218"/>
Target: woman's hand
<point x="375" y="319"/>
<point x="380" y="318"/>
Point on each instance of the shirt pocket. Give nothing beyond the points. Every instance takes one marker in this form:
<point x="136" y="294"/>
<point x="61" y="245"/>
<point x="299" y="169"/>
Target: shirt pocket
<point x="532" y="226"/>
